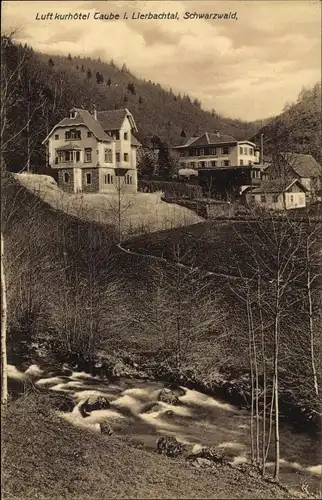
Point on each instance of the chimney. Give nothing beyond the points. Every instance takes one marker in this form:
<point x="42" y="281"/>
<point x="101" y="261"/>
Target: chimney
<point x="95" y="112"/>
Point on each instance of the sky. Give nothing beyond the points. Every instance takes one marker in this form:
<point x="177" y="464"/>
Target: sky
<point x="246" y="68"/>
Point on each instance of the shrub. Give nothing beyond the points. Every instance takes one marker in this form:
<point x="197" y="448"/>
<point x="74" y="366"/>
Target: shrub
<point x="171" y="189"/>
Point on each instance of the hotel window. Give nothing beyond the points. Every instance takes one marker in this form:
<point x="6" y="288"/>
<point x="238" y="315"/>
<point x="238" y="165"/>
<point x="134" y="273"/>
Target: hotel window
<point x="201" y="152"/>
<point x="126" y="157"/>
<point x="118" y="157"/>
<point x="125" y="136"/>
<point x="202" y="164"/>
<point x="77" y="156"/>
<point x="263" y="198"/>
<point x="88" y="155"/>
<point x="66" y="177"/>
<point x="251" y="151"/>
<point x="192" y="164"/>
<point x="181" y="153"/>
<point x="212" y="151"/>
<point x="241" y="150"/>
<point x="241" y="162"/>
<point x="250" y="163"/>
<point x="68" y="156"/>
<point x="108" y="156"/>
<point x="213" y="163"/>
<point x="88" y="178"/>
<point x="56" y="137"/>
<point x="225" y="151"/>
<point x="226" y="163"/>
<point x="89" y="134"/>
<point x="75" y="134"/>
<point x="116" y="134"/>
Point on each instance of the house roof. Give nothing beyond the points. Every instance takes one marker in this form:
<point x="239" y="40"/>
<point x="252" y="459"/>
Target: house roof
<point x="189" y="141"/>
<point x="276" y="186"/>
<point x="208" y="139"/>
<point x="248" y="142"/>
<point x="134" y="141"/>
<point x="114" y="118"/>
<point x="69" y="147"/>
<point x="83" y="117"/>
<point x="304" y="165"/>
<point x="106" y="120"/>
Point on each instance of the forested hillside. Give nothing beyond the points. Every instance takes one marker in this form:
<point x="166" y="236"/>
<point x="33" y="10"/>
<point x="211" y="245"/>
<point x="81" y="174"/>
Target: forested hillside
<point x="37" y="90"/>
<point x="298" y="128"/>
<point x="42" y="89"/>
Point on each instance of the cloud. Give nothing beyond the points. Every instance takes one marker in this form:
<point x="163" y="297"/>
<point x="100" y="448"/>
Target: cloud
<point x="273" y="49"/>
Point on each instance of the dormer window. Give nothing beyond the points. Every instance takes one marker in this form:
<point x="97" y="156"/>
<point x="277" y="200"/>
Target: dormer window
<point x="72" y="134"/>
<point x="125" y="136"/>
<point x="72" y="114"/>
<point x="115" y="134"/>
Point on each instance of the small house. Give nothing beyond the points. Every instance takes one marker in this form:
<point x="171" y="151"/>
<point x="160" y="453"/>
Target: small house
<point x="276" y="195"/>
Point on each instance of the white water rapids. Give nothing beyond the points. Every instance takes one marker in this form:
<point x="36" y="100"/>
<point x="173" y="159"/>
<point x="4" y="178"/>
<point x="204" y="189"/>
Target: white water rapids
<point x="199" y="420"/>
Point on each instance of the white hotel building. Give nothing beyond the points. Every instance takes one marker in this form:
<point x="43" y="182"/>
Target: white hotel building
<point x="216" y="150"/>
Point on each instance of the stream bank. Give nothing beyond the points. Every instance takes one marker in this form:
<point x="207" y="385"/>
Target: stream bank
<point x="134" y="411"/>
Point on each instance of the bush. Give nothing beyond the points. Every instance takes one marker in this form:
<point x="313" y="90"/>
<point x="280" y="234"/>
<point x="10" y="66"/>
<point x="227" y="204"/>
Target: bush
<point x="171" y="189"/>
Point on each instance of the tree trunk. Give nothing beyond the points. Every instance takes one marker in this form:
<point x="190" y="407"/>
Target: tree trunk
<point x="119" y="208"/>
<point x="4" y="312"/>
<point x="276" y="353"/>
<point x="264" y="375"/>
<point x="311" y="327"/>
<point x="250" y="353"/>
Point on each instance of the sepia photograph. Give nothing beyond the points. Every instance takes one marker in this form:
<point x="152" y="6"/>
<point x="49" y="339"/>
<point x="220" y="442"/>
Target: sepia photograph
<point x="161" y="249"/>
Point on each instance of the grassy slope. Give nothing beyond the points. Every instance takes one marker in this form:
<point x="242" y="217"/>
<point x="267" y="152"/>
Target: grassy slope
<point x="143" y="209"/>
<point x="214" y="246"/>
<point x="44" y="457"/>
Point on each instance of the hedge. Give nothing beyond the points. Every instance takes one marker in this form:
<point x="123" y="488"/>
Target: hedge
<point x="171" y="189"/>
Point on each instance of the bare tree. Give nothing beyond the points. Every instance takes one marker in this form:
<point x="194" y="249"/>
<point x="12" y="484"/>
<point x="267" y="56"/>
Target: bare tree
<point x="181" y="315"/>
<point x="273" y="256"/>
<point x="120" y="202"/>
<point x="89" y="310"/>
<point x="4" y="314"/>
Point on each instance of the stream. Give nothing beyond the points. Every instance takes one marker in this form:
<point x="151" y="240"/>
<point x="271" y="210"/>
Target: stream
<point x="199" y="420"/>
